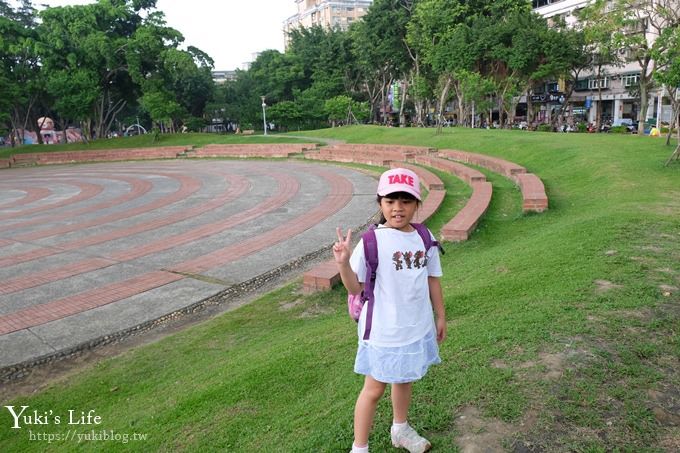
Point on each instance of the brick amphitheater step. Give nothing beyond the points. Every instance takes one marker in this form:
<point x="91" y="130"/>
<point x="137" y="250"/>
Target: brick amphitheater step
<point x="534" y="198"/>
<point x="458" y="229"/>
<point x="325" y="275"/>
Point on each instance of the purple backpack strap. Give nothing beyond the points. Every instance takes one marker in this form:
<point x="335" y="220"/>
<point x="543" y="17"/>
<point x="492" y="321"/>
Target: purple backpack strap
<point x="426" y="237"/>
<point x="371" y="256"/>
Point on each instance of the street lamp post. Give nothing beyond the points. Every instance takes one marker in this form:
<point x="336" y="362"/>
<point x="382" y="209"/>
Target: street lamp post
<point x="264" y="115"/>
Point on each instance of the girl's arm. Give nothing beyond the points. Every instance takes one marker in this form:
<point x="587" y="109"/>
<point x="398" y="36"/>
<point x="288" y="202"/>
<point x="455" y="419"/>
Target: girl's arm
<point x="349" y="279"/>
<point x="437" y="299"/>
<point x="341" y="253"/>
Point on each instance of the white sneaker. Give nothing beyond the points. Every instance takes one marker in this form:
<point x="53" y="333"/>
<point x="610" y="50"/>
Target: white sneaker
<point x="409" y="439"/>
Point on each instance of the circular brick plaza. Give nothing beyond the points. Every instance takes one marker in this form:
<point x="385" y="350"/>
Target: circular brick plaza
<point x="90" y="251"/>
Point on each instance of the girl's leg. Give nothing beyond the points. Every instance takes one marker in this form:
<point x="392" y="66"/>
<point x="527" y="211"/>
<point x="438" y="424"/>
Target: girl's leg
<point x="401" y="400"/>
<point x="401" y="433"/>
<point x="365" y="409"/>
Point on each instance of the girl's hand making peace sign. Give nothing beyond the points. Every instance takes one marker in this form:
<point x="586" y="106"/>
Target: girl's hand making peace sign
<point x="341" y="249"/>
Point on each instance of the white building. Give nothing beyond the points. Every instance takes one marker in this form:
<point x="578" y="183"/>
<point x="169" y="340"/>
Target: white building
<point x="326" y="13"/>
<point x="616" y="83"/>
<point x="223" y="76"/>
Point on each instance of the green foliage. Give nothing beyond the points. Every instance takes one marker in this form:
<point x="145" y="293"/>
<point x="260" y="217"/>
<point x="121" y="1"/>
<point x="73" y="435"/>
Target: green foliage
<point x="285" y="113"/>
<point x="544" y="127"/>
<point x="161" y="106"/>
<point x="361" y="111"/>
<point x="667" y="55"/>
<point x="91" y="63"/>
<point x="618" y="130"/>
<point x="194" y="124"/>
<point x="75" y="93"/>
<point x="21" y="80"/>
<point x="338" y="108"/>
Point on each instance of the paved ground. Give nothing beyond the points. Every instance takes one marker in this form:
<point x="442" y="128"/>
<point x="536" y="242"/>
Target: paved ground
<point x="90" y="250"/>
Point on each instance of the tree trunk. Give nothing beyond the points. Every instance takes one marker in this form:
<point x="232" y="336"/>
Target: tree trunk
<point x="442" y="100"/>
<point x="645" y="84"/>
<point x="598" y="112"/>
<point x="674" y="122"/>
<point x="383" y="107"/>
<point x="373" y="98"/>
<point x="14" y="135"/>
<point x="459" y="100"/>
<point x="417" y="102"/>
<point x="565" y="104"/>
<point x="34" y="120"/>
<point x="644" y="106"/>
<point x="402" y="105"/>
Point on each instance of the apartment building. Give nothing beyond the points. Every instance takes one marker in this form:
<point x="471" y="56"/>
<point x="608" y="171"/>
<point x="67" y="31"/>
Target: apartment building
<point x="223" y="76"/>
<point x="616" y="88"/>
<point x="326" y="13"/>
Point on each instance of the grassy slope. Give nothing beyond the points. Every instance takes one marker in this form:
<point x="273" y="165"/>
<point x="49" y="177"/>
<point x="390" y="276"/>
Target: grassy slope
<point x="271" y="378"/>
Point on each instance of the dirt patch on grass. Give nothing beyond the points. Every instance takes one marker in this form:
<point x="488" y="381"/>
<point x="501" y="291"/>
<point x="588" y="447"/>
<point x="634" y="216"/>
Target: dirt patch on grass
<point x="671" y="441"/>
<point x="668" y="290"/>
<point x="315" y="311"/>
<point x="286" y="306"/>
<point x="602" y="286"/>
<point x="548" y="365"/>
<point x="479" y="434"/>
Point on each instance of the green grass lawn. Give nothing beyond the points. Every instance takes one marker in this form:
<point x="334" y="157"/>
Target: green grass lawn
<point x="562" y="328"/>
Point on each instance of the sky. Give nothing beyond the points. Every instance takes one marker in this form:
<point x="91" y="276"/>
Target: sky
<point x="230" y="31"/>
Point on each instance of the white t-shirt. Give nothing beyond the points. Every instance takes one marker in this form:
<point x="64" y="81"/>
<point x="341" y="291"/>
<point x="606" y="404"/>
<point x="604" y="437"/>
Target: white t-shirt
<point x="402" y="312"/>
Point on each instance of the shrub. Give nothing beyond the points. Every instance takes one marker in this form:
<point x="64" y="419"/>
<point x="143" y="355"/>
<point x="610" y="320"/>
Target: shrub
<point x="619" y="129"/>
<point x="582" y="127"/>
<point x="544" y="127"/>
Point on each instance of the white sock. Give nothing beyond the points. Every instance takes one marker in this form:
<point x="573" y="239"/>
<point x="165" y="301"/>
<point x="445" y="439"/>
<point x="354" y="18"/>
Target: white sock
<point x="397" y="426"/>
<point x="356" y="449"/>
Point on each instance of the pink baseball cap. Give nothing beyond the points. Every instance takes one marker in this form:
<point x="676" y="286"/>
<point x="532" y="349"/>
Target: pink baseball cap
<point x="399" y="180"/>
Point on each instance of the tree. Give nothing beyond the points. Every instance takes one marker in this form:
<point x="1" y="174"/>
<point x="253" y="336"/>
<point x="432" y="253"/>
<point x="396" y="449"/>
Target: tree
<point x="344" y="110"/>
<point x="567" y="56"/>
<point x="599" y="29"/>
<point x="92" y="41"/>
<point x="337" y="109"/>
<point x="454" y="39"/>
<point x="513" y="54"/>
<point x="379" y="45"/>
<point x="21" y="84"/>
<point x="274" y="75"/>
<point x="286" y="114"/>
<point x="667" y="56"/>
<point x="439" y="33"/>
<point x="188" y="86"/>
<point x="473" y="92"/>
<point x="321" y="59"/>
<point x="162" y="108"/>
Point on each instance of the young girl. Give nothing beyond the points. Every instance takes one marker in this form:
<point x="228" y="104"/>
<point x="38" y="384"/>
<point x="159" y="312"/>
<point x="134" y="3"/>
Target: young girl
<point x="404" y="336"/>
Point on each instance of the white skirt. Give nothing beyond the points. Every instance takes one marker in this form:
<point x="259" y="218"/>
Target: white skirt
<point x="397" y="365"/>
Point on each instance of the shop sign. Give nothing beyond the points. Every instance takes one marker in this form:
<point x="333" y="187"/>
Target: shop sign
<point x="551" y="97"/>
